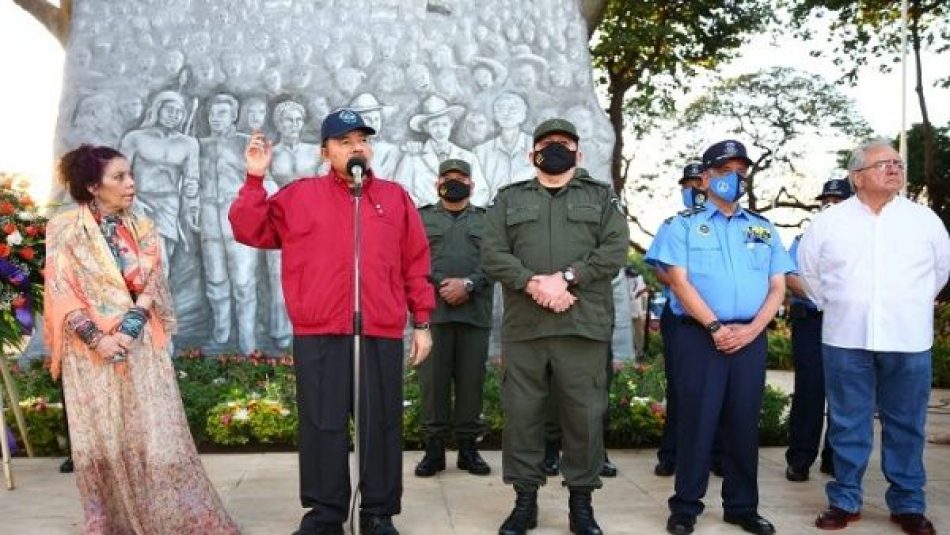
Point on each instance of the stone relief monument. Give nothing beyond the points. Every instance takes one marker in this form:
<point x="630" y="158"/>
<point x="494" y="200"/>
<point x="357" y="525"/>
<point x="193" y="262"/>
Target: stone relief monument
<point x="178" y="85"/>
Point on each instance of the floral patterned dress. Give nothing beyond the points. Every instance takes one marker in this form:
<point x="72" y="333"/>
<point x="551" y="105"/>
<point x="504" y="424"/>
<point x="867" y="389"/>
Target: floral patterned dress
<point x="137" y="468"/>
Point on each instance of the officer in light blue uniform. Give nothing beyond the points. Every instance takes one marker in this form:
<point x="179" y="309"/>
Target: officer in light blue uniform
<point x="726" y="266"/>
<point x="693" y="199"/>
<point x="808" y="401"/>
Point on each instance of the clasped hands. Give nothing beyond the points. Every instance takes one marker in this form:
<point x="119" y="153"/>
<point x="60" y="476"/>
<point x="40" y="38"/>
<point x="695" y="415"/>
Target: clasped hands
<point x="732" y="337"/>
<point x="550" y="292"/>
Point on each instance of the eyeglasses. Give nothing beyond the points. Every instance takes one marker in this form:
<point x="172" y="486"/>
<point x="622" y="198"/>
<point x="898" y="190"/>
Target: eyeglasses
<point x="884" y="165"/>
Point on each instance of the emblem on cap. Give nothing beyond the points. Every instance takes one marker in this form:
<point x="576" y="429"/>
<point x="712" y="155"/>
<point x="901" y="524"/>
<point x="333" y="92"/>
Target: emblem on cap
<point x="348" y="117"/>
<point x="730" y="148"/>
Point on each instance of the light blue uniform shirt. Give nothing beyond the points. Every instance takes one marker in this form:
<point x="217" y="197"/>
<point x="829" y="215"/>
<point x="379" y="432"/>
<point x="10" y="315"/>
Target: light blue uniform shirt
<point x="793" y="254"/>
<point x="650" y="256"/>
<point x="727" y="259"/>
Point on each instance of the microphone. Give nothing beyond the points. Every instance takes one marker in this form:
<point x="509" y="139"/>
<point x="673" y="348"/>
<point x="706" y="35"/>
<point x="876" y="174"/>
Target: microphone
<point x="356" y="166"/>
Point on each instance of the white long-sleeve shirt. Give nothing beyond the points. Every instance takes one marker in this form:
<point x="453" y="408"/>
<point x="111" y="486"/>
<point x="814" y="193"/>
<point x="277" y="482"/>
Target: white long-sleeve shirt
<point x="876" y="275"/>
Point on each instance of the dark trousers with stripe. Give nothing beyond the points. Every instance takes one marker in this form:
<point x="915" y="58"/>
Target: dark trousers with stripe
<point x="807" y="415"/>
<point x="717" y="390"/>
<point x="324" y="367"/>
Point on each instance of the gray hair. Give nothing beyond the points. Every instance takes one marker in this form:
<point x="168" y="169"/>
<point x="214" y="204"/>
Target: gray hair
<point x="857" y="159"/>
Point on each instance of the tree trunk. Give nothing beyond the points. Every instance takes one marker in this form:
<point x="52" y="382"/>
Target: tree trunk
<point x="617" y="90"/>
<point x="55" y="19"/>
<point x="593" y="12"/>
<point x="929" y="173"/>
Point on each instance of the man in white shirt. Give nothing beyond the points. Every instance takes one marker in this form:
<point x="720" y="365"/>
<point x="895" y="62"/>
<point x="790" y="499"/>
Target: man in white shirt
<point x="638" y="314"/>
<point x="874" y="264"/>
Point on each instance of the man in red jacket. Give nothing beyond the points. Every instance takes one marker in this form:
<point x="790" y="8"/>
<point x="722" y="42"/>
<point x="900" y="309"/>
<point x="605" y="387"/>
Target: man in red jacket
<point x="311" y="221"/>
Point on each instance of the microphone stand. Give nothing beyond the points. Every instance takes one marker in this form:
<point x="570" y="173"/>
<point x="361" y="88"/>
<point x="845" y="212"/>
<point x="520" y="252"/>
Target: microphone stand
<point x="356" y="467"/>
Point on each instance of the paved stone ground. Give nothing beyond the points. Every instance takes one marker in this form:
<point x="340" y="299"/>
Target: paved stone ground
<point x="260" y="491"/>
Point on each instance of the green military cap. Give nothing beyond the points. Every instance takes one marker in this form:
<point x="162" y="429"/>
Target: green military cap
<point x="558" y="126"/>
<point x="454" y="164"/>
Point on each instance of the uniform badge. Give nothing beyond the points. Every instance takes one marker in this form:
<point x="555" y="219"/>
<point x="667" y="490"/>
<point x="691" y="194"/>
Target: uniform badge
<point x="348" y="117"/>
<point x="757" y="234"/>
<point x="730" y="148"/>
<point x="704" y="229"/>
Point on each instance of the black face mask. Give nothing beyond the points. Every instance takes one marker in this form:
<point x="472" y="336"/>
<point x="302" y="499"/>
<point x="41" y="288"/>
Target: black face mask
<point x="454" y="190"/>
<point x="555" y="159"/>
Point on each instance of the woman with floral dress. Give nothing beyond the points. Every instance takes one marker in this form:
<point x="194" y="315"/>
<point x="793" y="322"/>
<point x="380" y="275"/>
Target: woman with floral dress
<point x="108" y="317"/>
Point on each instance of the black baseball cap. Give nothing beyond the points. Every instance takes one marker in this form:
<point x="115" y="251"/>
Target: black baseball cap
<point x="556" y="126"/>
<point x="341" y="122"/>
<point x="454" y="164"/>
<point x="836" y="187"/>
<point x="692" y="170"/>
<point x="722" y="152"/>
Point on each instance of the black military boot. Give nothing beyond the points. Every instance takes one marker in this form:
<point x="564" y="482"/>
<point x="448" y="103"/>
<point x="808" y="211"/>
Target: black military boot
<point x="434" y="460"/>
<point x="552" y="458"/>
<point x="470" y="460"/>
<point x="581" y="513"/>
<point x="524" y="516"/>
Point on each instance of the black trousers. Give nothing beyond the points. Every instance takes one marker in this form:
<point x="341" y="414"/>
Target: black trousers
<point x="324" y="366"/>
<point x="807" y="415"/>
<point x="717" y="394"/>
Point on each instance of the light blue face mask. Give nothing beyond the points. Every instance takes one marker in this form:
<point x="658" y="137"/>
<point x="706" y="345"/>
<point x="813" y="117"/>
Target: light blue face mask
<point x="729" y="187"/>
<point x="693" y="197"/>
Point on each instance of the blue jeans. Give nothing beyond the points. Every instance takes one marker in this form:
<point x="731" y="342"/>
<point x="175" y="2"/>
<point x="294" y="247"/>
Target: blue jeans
<point x="898" y="385"/>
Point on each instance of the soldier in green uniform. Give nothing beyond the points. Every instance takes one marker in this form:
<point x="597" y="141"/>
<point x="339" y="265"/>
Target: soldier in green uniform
<point x="460" y="323"/>
<point x="555" y="243"/>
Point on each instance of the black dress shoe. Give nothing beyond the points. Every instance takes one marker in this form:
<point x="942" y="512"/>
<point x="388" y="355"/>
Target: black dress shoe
<point x="322" y="529"/>
<point x="914" y="523"/>
<point x="751" y="522"/>
<point x="608" y="469"/>
<point x="664" y="470"/>
<point x="679" y="524"/>
<point x="377" y="525"/>
<point x="796" y="475"/>
<point x="67" y="466"/>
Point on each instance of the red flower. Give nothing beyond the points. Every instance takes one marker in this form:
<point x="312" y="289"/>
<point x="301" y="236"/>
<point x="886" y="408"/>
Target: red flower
<point x="4" y="250"/>
<point x="6" y="208"/>
<point x="18" y="301"/>
<point x="32" y="231"/>
<point x="28" y="253"/>
<point x="9" y="228"/>
<point x="225" y="419"/>
<point x="26" y="200"/>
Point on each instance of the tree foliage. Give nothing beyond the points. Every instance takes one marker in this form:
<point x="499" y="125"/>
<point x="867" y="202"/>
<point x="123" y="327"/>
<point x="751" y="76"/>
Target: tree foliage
<point x="937" y="197"/>
<point x="870" y="31"/>
<point x="647" y="50"/>
<point x="776" y="112"/>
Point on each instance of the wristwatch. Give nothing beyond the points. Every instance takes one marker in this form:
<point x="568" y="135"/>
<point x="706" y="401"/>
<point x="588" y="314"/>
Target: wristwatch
<point x="469" y="285"/>
<point x="713" y="326"/>
<point x="421" y="326"/>
<point x="569" y="276"/>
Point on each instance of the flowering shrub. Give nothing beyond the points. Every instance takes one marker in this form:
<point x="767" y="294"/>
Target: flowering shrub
<point x="44" y="422"/>
<point x="22" y="253"/>
<point x="253" y="418"/>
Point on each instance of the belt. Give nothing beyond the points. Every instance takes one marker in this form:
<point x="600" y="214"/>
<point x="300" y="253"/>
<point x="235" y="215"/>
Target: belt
<point x="689" y="320"/>
<point x="801" y="311"/>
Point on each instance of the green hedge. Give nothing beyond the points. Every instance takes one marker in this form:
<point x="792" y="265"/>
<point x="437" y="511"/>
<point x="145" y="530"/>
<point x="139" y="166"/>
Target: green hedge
<point x="241" y="402"/>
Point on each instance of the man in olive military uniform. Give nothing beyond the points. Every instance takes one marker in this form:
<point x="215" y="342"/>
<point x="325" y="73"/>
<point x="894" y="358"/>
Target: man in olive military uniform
<point x="555" y="243"/>
<point x="460" y="323"/>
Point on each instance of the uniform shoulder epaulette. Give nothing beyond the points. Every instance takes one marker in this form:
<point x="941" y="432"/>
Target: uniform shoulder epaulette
<point x="757" y="215"/>
<point x="507" y="187"/>
<point x="591" y="180"/>
<point x="691" y="211"/>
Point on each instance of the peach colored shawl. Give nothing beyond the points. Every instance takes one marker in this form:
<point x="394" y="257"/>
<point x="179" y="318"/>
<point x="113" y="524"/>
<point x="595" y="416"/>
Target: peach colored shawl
<point x="81" y="273"/>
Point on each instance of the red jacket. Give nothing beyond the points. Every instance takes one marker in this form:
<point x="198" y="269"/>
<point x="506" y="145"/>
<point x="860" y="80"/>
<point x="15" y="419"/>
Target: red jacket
<point x="311" y="221"/>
